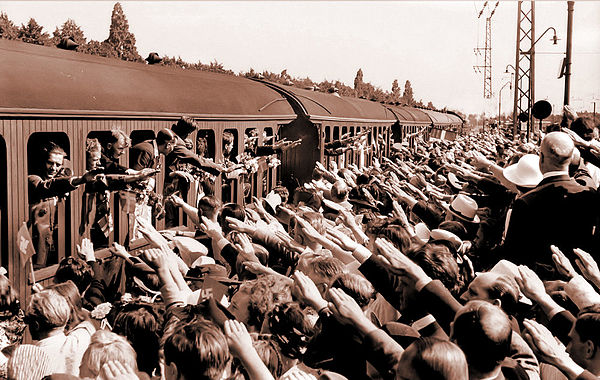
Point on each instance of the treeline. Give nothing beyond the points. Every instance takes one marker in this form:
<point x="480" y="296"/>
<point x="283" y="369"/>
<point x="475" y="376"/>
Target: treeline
<point x="121" y="44"/>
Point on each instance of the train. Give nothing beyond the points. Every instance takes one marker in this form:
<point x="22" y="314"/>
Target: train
<point x="49" y="94"/>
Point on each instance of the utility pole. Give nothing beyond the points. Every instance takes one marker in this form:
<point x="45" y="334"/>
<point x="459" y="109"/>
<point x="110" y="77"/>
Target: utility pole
<point x="570" y="6"/>
<point x="524" y="65"/>
<point x="487" y="52"/>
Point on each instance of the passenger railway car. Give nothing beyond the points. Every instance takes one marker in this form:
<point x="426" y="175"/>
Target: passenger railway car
<point x="64" y="96"/>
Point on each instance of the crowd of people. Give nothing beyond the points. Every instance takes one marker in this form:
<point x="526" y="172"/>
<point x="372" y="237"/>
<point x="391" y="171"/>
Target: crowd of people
<point x="467" y="259"/>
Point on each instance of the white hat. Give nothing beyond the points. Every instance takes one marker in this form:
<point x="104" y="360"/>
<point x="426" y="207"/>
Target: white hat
<point x="422" y="232"/>
<point x="273" y="200"/>
<point x="455" y="182"/>
<point x="526" y="172"/>
<point x="465" y="208"/>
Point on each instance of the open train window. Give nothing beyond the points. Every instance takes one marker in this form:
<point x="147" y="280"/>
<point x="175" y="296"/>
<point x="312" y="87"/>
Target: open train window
<point x="229" y="150"/>
<point x="3" y="205"/>
<point x="49" y="172"/>
<point x="205" y="143"/>
<point x="250" y="183"/>
<point x="271" y="172"/>
<point x="142" y="135"/>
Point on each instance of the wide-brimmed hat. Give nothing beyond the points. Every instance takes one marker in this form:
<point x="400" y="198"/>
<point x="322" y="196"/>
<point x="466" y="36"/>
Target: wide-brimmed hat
<point x="465" y="208"/>
<point x="455" y="182"/>
<point x="526" y="172"/>
<point x="271" y="201"/>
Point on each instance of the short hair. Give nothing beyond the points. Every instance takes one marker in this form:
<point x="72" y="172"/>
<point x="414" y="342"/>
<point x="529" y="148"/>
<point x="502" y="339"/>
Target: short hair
<point x="74" y="269"/>
<point x="397" y="235"/>
<point x="164" y="136"/>
<point x="107" y="346"/>
<point x="291" y="329"/>
<point x="208" y="206"/>
<point x="558" y="147"/>
<point x="588" y="323"/>
<point x="483" y="331"/>
<point x="283" y="192"/>
<point x="52" y="148"/>
<point x="228" y="137"/>
<point x="184" y="126"/>
<point x="47" y="310"/>
<point x="357" y="287"/>
<point x="117" y="134"/>
<point x="9" y="302"/>
<point x="439" y="263"/>
<point x="141" y="325"/>
<point x="454" y="226"/>
<point x="582" y="126"/>
<point x="198" y="349"/>
<point x="232" y="210"/>
<point x="316" y="220"/>
<point x="308" y="196"/>
<point x="327" y="267"/>
<point x="92" y="145"/>
<point x="266" y="292"/>
<point x="435" y="359"/>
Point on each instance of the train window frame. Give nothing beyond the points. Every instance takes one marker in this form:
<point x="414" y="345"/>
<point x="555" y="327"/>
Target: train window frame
<point x="233" y="189"/>
<point x="211" y="142"/>
<point x="251" y="179"/>
<point x="4" y="256"/>
<point x="63" y="207"/>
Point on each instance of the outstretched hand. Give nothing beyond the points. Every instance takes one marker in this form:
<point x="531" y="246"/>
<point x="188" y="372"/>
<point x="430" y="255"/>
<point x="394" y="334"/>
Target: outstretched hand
<point x="562" y="263"/>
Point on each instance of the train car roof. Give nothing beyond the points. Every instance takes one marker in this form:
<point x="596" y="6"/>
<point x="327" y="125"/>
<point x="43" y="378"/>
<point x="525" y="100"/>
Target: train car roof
<point x="410" y="115"/>
<point x="320" y="105"/>
<point x="441" y="118"/>
<point x="38" y="79"/>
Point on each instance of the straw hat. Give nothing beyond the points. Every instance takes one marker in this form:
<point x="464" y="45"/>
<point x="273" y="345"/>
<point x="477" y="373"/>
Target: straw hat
<point x="526" y="172"/>
<point x="465" y="208"/>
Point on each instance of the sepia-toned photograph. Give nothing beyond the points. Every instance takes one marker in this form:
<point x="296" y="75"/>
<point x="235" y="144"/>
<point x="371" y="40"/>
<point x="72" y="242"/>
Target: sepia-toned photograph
<point x="299" y="190"/>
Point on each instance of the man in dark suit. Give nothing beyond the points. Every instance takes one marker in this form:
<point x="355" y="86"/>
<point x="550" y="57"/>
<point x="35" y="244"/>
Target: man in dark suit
<point x="558" y="211"/>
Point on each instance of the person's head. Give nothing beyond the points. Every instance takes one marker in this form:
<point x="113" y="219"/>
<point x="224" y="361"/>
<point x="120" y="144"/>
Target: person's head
<point x="93" y="153"/>
<point x="116" y="144"/>
<point x="316" y="220"/>
<point x="307" y="197"/>
<point x="555" y="152"/>
<point x="74" y="269"/>
<point x="9" y="302"/>
<point x="397" y="235"/>
<point x="184" y="127"/>
<point x="47" y="311"/>
<point x="283" y="192"/>
<point x="584" y="337"/>
<point x="339" y="191"/>
<point x="483" y="332"/>
<point x="70" y="292"/>
<point x="228" y="140"/>
<point x="320" y="269"/>
<point x="439" y="263"/>
<point x="232" y="210"/>
<point x="54" y="157"/>
<point x="209" y="206"/>
<point x="195" y="350"/>
<point x="499" y="289"/>
<point x="290" y="328"/>
<point x="255" y="299"/>
<point x="201" y="145"/>
<point x="268" y="351"/>
<point x="141" y="325"/>
<point x="106" y="346"/>
<point x="584" y="127"/>
<point x="165" y="141"/>
<point x="433" y="359"/>
<point x="357" y="287"/>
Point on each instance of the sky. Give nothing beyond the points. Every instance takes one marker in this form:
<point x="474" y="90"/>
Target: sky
<point x="430" y="43"/>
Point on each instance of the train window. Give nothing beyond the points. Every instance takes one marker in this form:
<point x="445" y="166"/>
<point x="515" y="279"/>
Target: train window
<point x="230" y="158"/>
<point x="271" y="172"/>
<point x="250" y="183"/>
<point x="327" y="134"/>
<point x="139" y="136"/>
<point x="3" y="205"/>
<point x="49" y="207"/>
<point x="205" y="143"/>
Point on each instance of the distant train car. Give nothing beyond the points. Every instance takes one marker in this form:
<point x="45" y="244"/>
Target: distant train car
<point x="64" y="96"/>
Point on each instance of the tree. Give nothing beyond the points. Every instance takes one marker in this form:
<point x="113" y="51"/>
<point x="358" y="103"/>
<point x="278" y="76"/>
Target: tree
<point x="32" y="33"/>
<point x="395" y="95"/>
<point x="430" y="106"/>
<point x="120" y="39"/>
<point x="359" y="84"/>
<point x="69" y="29"/>
<point x="102" y="49"/>
<point x="8" y="29"/>
<point x="407" y="96"/>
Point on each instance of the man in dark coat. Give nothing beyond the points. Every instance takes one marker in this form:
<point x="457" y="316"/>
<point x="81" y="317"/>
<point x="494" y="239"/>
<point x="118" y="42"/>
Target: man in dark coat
<point x="558" y="211"/>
